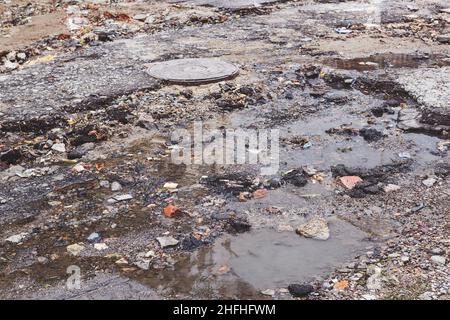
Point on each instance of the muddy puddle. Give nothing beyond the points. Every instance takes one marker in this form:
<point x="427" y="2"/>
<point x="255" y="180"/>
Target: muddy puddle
<point x="390" y="60"/>
<point x="240" y="266"/>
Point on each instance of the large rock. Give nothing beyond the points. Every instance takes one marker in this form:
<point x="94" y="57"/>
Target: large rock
<point x="316" y="228"/>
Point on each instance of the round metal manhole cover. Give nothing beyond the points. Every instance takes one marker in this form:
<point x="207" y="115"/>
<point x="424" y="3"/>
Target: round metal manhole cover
<point x="193" y="71"/>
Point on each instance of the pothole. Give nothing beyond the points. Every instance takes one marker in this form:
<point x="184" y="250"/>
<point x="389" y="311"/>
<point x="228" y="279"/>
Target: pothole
<point x="242" y="265"/>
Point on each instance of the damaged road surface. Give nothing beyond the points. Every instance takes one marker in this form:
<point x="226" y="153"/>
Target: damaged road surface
<point x="355" y="95"/>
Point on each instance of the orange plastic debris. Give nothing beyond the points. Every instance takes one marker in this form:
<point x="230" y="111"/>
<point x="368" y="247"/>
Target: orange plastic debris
<point x="171" y="210"/>
<point x="350" y="182"/>
<point x="341" y="285"/>
<point x="260" y="193"/>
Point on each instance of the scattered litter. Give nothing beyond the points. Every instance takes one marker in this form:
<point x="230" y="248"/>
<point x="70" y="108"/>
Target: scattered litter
<point x="171" y="210"/>
<point x="261" y="193"/>
<point x="349" y="182"/>
<point x="341" y="285"/>
<point x="343" y="30"/>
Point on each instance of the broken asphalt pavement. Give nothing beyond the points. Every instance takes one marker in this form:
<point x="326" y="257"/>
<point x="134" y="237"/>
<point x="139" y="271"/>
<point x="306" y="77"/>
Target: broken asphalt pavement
<point x="359" y="208"/>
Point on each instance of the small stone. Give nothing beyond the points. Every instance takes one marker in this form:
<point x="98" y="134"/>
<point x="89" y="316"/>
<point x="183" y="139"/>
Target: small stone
<point x="404" y="155"/>
<point x="426" y="296"/>
<point x="105" y="184"/>
<point x="94" y="237"/>
<point x="437" y="252"/>
<point x="100" y="246"/>
<point x="11" y="65"/>
<point x="404" y="259"/>
<point x="11" y="56"/>
<point x="81" y="151"/>
<point x="150" y="254"/>
<point x="115" y="186"/>
<point x="310" y="171"/>
<point x="300" y="290"/>
<point x="59" y="147"/>
<point x="268" y="292"/>
<point x="122" y="261"/>
<point x="21" y="56"/>
<point x="429" y="182"/>
<point x="170" y="185"/>
<point x="140" y="17"/>
<point x="123" y="197"/>
<point x="143" y="264"/>
<point x="78" y="168"/>
<point x="391" y="188"/>
<point x="17" y="238"/>
<point x="42" y="260"/>
<point x="443" y="39"/>
<point x="438" y="259"/>
<point x="167" y="241"/>
<point x="369" y="297"/>
<point x="315" y="228"/>
<point x="75" y="249"/>
<point x="374" y="282"/>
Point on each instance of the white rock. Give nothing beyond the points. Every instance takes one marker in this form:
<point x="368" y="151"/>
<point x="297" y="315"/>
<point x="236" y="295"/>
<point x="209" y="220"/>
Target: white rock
<point x="115" y="186"/>
<point x="369" y="297"/>
<point x="143" y="264"/>
<point x="170" y="185"/>
<point x="140" y="17"/>
<point x="60" y="147"/>
<point x="21" y="56"/>
<point x="123" y="197"/>
<point x="11" y="65"/>
<point x="17" y="238"/>
<point x="150" y="20"/>
<point x="11" y="56"/>
<point x="426" y="296"/>
<point x="405" y="155"/>
<point x="374" y="282"/>
<point x="75" y="249"/>
<point x="438" y="259"/>
<point x="150" y="254"/>
<point x="429" y="182"/>
<point x="167" y="241"/>
<point x="316" y="228"/>
<point x="268" y="292"/>
<point x="104" y="184"/>
<point x="78" y="168"/>
<point x="100" y="246"/>
<point x="391" y="188"/>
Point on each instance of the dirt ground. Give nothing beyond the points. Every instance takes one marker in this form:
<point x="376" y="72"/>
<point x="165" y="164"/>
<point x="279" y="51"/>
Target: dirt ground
<point x="358" y="91"/>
